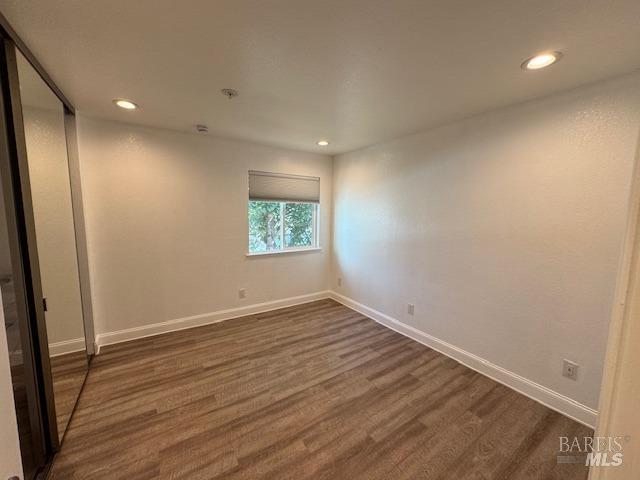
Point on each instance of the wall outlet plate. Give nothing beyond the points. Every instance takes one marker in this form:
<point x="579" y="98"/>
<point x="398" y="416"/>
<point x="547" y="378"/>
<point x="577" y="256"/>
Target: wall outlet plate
<point x="570" y="369"/>
<point x="411" y="308"/>
<point x="242" y="293"/>
<point x="339" y="281"/>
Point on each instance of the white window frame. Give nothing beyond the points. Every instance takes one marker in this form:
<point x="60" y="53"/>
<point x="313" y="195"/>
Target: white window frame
<point x="315" y="226"/>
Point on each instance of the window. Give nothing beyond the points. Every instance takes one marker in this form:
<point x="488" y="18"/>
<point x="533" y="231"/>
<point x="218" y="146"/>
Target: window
<point x="281" y="226"/>
<point x="283" y="212"/>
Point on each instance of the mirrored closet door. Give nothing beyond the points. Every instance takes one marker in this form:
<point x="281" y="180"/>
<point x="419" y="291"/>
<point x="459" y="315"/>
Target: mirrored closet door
<point x="44" y="273"/>
<point x="43" y="116"/>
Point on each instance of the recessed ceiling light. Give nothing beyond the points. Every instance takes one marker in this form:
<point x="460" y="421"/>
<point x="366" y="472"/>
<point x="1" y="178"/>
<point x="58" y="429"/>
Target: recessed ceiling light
<point x="323" y="143"/>
<point x="541" y="60"/>
<point x="126" y="104"/>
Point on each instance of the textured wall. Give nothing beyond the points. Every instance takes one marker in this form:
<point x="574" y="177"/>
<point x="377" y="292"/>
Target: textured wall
<point x="167" y="224"/>
<point x="504" y="230"/>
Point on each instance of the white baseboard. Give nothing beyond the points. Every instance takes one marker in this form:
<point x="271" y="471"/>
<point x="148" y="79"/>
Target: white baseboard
<point x="150" y="330"/>
<point x="67" y="346"/>
<point x="554" y="400"/>
<point x="535" y="391"/>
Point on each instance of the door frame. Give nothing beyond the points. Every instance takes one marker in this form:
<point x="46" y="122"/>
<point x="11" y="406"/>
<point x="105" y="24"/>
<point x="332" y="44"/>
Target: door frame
<point x="622" y="348"/>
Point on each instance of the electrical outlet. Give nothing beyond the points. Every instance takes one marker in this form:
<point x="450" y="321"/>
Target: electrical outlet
<point x="570" y="369"/>
<point x="242" y="293"/>
<point x="339" y="281"/>
<point x="410" y="308"/>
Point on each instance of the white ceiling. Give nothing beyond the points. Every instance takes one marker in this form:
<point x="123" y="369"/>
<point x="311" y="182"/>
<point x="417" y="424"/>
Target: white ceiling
<point x="356" y="72"/>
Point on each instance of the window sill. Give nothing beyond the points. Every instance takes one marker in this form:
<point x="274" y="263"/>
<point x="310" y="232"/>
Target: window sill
<point x="280" y="252"/>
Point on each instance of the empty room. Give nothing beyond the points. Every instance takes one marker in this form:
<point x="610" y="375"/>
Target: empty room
<point x="320" y="239"/>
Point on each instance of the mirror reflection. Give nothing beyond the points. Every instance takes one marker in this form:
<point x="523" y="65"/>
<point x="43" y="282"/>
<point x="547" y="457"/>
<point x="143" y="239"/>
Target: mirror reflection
<point x="44" y="125"/>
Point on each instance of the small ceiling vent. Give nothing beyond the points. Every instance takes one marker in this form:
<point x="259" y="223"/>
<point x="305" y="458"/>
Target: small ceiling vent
<point x="229" y="93"/>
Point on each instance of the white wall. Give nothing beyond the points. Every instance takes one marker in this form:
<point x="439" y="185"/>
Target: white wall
<point x="166" y="220"/>
<point x="10" y="461"/>
<point x="504" y="230"/>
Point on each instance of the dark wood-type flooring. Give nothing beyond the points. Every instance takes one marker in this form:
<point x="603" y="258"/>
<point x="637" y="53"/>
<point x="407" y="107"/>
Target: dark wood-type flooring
<point x="315" y="391"/>
<point x="68" y="372"/>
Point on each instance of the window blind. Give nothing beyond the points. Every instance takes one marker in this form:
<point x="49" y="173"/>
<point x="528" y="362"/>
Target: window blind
<point x="283" y="188"/>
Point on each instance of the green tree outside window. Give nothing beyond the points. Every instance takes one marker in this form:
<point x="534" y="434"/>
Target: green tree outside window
<point x="281" y="225"/>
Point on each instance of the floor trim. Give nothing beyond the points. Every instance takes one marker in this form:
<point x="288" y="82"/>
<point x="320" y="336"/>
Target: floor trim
<point x="67" y="346"/>
<point x="549" y="398"/>
<point x="153" y="329"/>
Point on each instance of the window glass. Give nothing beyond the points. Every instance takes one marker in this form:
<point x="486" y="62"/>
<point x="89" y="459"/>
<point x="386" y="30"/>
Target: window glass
<point x="277" y="226"/>
<point x="265" y="225"/>
<point x="298" y="224"/>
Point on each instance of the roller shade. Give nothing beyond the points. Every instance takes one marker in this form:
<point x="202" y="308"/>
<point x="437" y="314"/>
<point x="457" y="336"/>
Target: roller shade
<point x="283" y="188"/>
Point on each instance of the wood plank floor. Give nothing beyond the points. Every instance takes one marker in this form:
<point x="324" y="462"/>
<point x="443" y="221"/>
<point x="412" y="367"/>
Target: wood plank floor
<point x="315" y="391"/>
<point x="68" y="372"/>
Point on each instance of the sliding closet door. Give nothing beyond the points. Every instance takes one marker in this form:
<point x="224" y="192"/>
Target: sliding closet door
<point x="44" y="309"/>
<point x="18" y="347"/>
<point x="43" y="117"/>
<point x="17" y="302"/>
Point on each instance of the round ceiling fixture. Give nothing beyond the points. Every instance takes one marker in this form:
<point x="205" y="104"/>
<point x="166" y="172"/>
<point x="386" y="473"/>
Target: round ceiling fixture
<point x="202" y="128"/>
<point x="229" y="93"/>
<point x="124" y="103"/>
<point x="323" y="143"/>
<point x="541" y="60"/>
